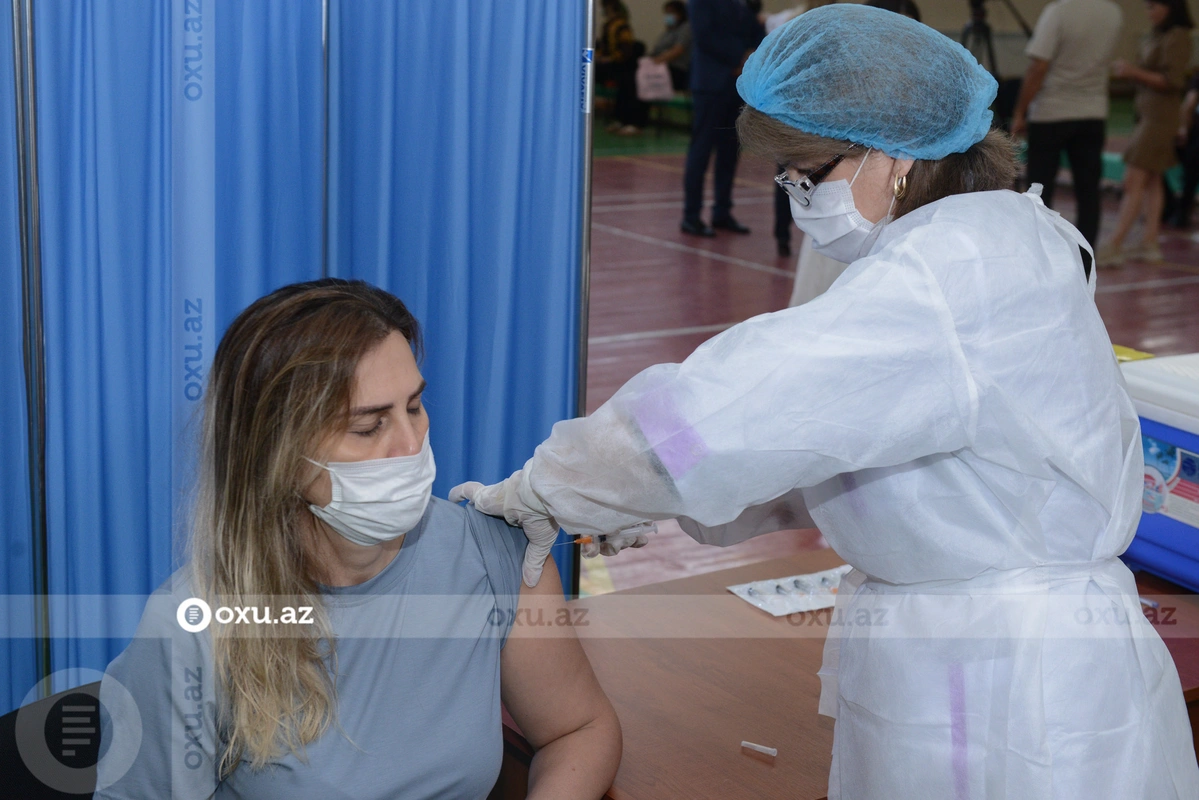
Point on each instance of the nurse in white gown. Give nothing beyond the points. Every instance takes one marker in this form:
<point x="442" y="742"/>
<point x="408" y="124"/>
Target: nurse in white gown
<point x="949" y="414"/>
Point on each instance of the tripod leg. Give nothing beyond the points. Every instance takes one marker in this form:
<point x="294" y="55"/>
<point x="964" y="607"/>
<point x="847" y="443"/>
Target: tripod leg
<point x="994" y="63"/>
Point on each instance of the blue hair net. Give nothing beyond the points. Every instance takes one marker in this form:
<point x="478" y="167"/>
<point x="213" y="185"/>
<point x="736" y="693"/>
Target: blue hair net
<point x="872" y="77"/>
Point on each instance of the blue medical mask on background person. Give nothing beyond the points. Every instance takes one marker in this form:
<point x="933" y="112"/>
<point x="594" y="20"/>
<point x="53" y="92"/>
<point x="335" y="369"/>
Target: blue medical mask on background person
<point x="381" y="499"/>
<point x="837" y="228"/>
<point x="671" y="20"/>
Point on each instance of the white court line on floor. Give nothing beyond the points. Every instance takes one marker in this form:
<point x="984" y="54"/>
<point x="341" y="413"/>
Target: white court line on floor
<point x="599" y="263"/>
<point x="633" y="197"/>
<point x="674" y="194"/>
<point x="664" y="333"/>
<point x="679" y="169"/>
<point x="677" y="204"/>
<point x="1160" y="283"/>
<point x="682" y="248"/>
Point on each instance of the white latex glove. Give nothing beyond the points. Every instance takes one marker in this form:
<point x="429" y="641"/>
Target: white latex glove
<point x="513" y="500"/>
<point x="637" y="536"/>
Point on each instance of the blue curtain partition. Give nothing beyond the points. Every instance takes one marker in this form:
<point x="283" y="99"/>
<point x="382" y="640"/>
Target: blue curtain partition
<point x="455" y="182"/>
<point x="194" y="155"/>
<point x="180" y="178"/>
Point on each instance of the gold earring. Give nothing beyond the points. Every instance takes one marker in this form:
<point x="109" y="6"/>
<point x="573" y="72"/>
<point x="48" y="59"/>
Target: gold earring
<point x="901" y="186"/>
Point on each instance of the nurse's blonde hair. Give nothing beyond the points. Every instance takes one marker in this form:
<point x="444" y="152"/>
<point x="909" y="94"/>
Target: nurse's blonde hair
<point x="281" y="383"/>
<point x="988" y="165"/>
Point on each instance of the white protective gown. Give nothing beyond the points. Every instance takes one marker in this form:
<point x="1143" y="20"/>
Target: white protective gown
<point x="953" y="418"/>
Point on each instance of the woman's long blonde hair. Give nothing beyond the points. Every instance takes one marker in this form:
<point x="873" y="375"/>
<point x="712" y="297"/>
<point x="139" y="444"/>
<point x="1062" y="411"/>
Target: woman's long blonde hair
<point x="281" y="383"/>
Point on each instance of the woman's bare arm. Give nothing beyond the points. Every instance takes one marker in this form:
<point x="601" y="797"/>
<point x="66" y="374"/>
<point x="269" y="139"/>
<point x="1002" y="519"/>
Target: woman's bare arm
<point x="1146" y="77"/>
<point x="551" y="692"/>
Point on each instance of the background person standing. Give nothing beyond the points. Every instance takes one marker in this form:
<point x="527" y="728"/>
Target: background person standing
<point x="723" y="33"/>
<point x="1063" y="101"/>
<point x="1159" y="75"/>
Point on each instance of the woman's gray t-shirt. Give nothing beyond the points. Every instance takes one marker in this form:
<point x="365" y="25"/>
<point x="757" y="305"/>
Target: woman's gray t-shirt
<point x="418" y="682"/>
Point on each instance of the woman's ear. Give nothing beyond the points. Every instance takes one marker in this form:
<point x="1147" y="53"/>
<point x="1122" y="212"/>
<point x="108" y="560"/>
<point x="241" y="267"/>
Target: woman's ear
<point x="901" y="167"/>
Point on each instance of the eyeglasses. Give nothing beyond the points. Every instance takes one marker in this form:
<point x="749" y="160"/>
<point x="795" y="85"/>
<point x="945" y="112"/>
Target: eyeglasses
<point x="802" y="189"/>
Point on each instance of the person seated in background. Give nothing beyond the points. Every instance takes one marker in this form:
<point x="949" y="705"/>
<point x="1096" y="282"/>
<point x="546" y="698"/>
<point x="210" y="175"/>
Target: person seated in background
<point x="616" y="54"/>
<point x="315" y="493"/>
<point x="673" y="47"/>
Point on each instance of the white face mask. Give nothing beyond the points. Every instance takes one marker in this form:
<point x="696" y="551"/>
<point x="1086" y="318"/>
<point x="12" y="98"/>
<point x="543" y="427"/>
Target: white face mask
<point x="837" y="229"/>
<point x="381" y="499"/>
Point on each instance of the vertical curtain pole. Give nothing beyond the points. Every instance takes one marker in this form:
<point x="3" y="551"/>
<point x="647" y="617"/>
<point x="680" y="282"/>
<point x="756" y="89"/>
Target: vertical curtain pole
<point x="34" y="343"/>
<point x="586" y="97"/>
<point x="325" y="141"/>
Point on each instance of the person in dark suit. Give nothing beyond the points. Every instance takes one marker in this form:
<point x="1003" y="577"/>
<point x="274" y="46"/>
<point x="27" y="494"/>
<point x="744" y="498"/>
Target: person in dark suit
<point x="723" y="33"/>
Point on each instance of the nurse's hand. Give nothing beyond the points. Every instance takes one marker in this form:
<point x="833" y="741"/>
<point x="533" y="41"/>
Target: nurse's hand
<point x="516" y="503"/>
<point x="610" y="545"/>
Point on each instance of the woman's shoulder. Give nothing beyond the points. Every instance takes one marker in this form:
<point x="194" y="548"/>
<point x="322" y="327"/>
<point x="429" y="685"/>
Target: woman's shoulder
<point x="493" y="535"/>
<point x="158" y="700"/>
<point x="499" y="546"/>
<point x="458" y="521"/>
<point x="1177" y="39"/>
<point x="175" y="619"/>
<point x="444" y="513"/>
<point x="170" y="603"/>
<point x="1158" y="42"/>
<point x="618" y="26"/>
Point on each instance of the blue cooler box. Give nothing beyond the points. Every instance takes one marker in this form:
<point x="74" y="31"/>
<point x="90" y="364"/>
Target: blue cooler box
<point x="1166" y="394"/>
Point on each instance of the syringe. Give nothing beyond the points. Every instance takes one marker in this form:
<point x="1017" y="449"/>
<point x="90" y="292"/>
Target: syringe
<point x="619" y="540"/>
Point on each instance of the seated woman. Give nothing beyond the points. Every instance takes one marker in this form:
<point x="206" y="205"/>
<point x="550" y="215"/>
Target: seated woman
<point x="673" y="47"/>
<point x="315" y="493"/>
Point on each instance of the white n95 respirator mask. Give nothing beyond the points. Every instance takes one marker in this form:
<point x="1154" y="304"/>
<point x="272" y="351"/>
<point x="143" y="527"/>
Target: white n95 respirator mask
<point x="381" y="499"/>
<point x="837" y="228"/>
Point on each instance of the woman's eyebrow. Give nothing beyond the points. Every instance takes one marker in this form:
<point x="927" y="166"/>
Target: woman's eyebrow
<point x="363" y="411"/>
<point x="367" y="410"/>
